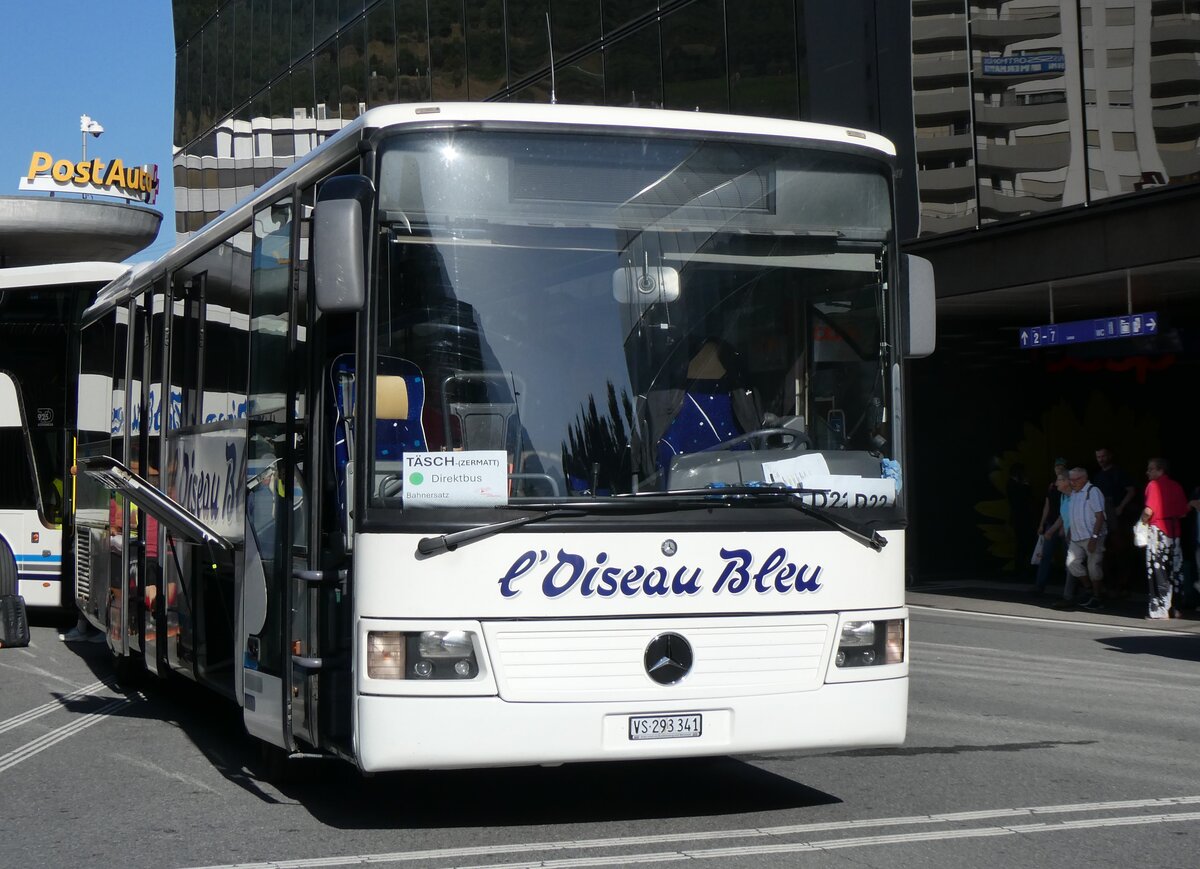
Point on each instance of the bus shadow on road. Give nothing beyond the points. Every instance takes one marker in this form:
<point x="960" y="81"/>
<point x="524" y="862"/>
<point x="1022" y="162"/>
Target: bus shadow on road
<point x="532" y="796"/>
<point x="336" y="794"/>
<point x="1181" y="647"/>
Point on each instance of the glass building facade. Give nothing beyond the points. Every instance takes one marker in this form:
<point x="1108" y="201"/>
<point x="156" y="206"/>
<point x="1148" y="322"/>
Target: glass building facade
<point x="1026" y="106"/>
<point x="1048" y="151"/>
<point x="259" y="83"/>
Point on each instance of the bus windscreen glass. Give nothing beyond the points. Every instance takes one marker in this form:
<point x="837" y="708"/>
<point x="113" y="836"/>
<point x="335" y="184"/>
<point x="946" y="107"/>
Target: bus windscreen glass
<point x="617" y="313"/>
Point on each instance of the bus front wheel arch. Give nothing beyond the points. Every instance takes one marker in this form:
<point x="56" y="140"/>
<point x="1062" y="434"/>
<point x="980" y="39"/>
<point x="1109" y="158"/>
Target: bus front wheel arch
<point x="8" y="569"/>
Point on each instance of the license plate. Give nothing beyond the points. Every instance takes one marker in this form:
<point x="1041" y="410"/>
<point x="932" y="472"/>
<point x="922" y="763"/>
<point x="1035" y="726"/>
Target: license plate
<point x="665" y="726"/>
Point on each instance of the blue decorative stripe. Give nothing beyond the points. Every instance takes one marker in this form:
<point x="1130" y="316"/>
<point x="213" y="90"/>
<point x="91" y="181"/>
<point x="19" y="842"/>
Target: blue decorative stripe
<point x="39" y="559"/>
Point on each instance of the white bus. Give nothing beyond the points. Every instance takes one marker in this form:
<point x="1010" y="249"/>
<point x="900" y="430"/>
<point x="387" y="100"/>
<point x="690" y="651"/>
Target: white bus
<point x="40" y="308"/>
<point x="495" y="434"/>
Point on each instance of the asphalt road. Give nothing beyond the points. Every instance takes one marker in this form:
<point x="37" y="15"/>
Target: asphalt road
<point x="1032" y="743"/>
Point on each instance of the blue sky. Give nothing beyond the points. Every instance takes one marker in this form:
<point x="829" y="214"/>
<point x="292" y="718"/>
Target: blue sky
<point x="114" y="61"/>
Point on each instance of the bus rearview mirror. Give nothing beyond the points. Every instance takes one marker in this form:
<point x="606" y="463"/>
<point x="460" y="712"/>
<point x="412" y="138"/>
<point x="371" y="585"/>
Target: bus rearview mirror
<point x="922" y="307"/>
<point x="339" y="253"/>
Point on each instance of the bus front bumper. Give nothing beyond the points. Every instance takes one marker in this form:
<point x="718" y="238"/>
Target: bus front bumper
<point x="396" y="733"/>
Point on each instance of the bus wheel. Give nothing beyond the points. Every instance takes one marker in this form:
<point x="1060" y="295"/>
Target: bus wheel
<point x="128" y="672"/>
<point x="275" y="763"/>
<point x="8" y="570"/>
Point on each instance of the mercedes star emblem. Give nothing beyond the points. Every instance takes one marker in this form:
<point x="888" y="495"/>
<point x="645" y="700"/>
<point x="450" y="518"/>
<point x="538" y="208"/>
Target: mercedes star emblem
<point x="668" y="659"/>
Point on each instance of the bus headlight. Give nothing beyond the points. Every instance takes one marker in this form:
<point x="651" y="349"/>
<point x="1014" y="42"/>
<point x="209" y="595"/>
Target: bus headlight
<point x="421" y="655"/>
<point x="867" y="643"/>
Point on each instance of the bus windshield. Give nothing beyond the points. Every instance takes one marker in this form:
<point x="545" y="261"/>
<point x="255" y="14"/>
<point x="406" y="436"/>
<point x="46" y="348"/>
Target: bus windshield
<point x="608" y="314"/>
<point x="34" y="330"/>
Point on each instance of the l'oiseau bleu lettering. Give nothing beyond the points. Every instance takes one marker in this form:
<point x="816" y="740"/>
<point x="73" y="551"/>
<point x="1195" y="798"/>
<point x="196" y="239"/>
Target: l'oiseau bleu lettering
<point x="571" y="573"/>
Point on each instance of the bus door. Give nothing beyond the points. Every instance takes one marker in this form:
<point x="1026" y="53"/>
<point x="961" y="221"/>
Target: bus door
<point x="136" y="534"/>
<point x="307" y="588"/>
<point x="154" y="632"/>
<point x="274" y="488"/>
<point x="121" y="513"/>
<point x="183" y="563"/>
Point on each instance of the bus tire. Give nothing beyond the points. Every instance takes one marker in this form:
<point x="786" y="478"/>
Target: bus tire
<point x="276" y="764"/>
<point x="8" y="569"/>
<point x="128" y="672"/>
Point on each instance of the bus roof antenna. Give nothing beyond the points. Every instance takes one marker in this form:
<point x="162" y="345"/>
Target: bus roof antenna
<point x="550" y="39"/>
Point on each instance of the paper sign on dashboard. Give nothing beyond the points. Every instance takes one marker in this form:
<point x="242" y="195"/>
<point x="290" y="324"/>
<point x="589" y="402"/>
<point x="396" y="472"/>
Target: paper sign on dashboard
<point x="474" y="478"/>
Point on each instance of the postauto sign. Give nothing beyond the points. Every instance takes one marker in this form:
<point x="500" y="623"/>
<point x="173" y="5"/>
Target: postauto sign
<point x="94" y="176"/>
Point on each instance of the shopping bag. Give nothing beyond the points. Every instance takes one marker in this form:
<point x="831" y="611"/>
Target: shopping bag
<point x="1037" y="550"/>
<point x="1141" y="534"/>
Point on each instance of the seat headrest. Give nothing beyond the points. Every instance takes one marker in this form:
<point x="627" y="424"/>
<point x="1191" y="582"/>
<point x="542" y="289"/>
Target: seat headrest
<point x="391" y="397"/>
<point x="707" y="364"/>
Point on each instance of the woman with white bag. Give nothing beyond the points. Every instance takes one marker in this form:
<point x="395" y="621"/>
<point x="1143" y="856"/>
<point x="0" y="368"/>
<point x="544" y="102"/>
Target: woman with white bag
<point x="1158" y="531"/>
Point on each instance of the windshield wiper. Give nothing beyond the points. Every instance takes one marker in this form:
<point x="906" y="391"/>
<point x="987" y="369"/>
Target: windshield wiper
<point x="680" y="499"/>
<point x="792" y="495"/>
<point x="555" y="510"/>
<point x="868" y="537"/>
<point x="450" y="542"/>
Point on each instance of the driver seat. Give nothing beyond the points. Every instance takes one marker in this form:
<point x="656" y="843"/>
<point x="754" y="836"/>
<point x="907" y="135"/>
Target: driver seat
<point x="713" y="405"/>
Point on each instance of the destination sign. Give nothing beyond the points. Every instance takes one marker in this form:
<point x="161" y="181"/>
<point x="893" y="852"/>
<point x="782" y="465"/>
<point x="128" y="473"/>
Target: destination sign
<point x="1085" y="331"/>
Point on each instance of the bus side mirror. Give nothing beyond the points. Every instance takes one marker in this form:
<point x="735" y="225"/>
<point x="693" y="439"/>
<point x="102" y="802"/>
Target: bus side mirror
<point x="921" y="337"/>
<point x="340" y="221"/>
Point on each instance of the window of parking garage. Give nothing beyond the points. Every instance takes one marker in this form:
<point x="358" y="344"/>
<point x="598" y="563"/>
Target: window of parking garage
<point x="381" y="54"/>
<point x="412" y="53"/>
<point x="447" y="53"/>
<point x="695" y="74"/>
<point x="302" y="89"/>
<point x="325" y="81"/>
<point x="325" y="19"/>
<point x="486" y="58"/>
<point x="762" y="58"/>
<point x="192" y="101"/>
<point x="582" y="82"/>
<point x="224" y="52"/>
<point x="616" y="14"/>
<point x="528" y="45"/>
<point x="352" y="69"/>
<point x="577" y="23"/>
<point x="258" y="46"/>
<point x="302" y="28"/>
<point x="236" y="55"/>
<point x="633" y="70"/>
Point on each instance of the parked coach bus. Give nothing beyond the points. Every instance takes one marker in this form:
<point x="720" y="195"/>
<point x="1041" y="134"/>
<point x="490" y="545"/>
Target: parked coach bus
<point x="40" y="308"/>
<point x="506" y="434"/>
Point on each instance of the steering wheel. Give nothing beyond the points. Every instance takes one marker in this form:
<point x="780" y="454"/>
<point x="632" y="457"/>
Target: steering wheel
<point x="796" y="436"/>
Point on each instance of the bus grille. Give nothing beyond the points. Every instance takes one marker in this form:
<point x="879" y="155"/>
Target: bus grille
<point x="83" y="563"/>
<point x="596" y="661"/>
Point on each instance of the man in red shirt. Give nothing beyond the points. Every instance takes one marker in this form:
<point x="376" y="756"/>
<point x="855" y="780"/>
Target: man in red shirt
<point x="1166" y="504"/>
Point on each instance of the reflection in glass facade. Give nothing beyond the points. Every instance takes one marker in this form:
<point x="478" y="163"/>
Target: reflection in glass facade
<point x="259" y="83"/>
<point x="1025" y="106"/>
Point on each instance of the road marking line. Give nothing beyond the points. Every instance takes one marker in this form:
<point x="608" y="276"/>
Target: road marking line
<point x="829" y="826"/>
<point x="52" y="706"/>
<point x="165" y="773"/>
<point x="53" y="737"/>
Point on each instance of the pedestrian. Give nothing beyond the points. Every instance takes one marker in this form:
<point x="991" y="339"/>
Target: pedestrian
<point x="1118" y="488"/>
<point x="1085" y="549"/>
<point x="1050" y="526"/>
<point x="1166" y="504"/>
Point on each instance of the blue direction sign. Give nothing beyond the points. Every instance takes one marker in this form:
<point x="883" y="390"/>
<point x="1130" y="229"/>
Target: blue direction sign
<point x="1083" y="331"/>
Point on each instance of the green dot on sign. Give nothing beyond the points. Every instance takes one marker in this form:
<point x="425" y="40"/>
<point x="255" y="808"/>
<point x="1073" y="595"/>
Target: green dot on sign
<point x="417" y="478"/>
